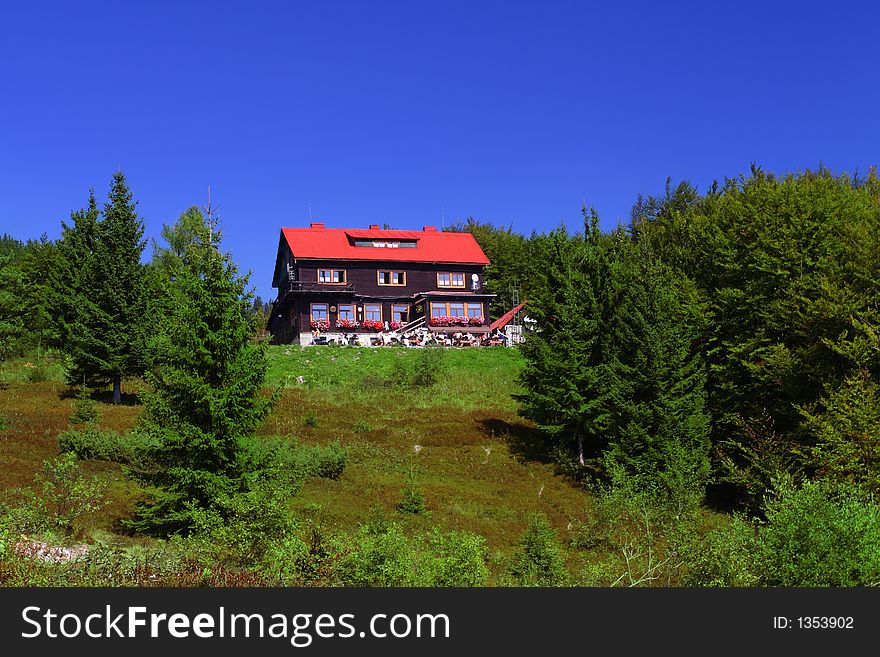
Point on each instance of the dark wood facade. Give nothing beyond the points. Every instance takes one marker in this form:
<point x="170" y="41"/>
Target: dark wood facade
<point x="400" y="291"/>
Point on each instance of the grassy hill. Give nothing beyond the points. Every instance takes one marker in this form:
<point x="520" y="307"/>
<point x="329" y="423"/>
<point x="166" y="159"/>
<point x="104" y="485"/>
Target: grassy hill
<point x="444" y="420"/>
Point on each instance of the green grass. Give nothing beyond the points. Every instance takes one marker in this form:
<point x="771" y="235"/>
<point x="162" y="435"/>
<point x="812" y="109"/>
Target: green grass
<point x="32" y="369"/>
<point x="470" y="378"/>
<point x="460" y="441"/>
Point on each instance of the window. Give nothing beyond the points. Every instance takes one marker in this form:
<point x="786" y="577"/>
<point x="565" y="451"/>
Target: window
<point x="450" y="279"/>
<point x="456" y="309"/>
<point x="319" y="311"/>
<point x="378" y="244"/>
<point x="346" y="311"/>
<point x="391" y="277"/>
<point x="400" y="313"/>
<point x="331" y="276"/>
<point x="373" y="312"/>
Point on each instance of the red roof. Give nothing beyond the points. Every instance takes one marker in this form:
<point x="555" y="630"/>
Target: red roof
<point x="319" y="243"/>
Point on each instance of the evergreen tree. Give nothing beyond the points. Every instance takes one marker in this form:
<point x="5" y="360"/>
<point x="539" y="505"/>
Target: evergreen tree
<point x="566" y="371"/>
<point x="106" y="339"/>
<point x="70" y="275"/>
<point x="12" y="306"/>
<point x="205" y="401"/>
<point x="612" y="363"/>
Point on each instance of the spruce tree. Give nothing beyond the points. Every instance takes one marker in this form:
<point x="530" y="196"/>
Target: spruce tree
<point x="107" y="338"/>
<point x="70" y="276"/>
<point x="205" y="401"/>
<point x="612" y="366"/>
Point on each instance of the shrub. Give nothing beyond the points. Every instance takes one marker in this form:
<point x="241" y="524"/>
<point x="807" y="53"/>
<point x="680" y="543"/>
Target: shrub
<point x="380" y="554"/>
<point x="413" y="500"/>
<point x="325" y="461"/>
<point x="539" y="561"/>
<point x="456" y="559"/>
<point x="64" y="495"/>
<point x="820" y="534"/>
<point x="132" y="448"/>
<point x="85" y="410"/>
<point x="362" y="426"/>
<point x="310" y="420"/>
<point x="38" y="373"/>
<point x="379" y="558"/>
<point x="723" y="557"/>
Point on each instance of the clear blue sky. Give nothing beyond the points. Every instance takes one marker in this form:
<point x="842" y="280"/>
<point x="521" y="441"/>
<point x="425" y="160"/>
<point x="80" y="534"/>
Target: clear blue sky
<point x="401" y="112"/>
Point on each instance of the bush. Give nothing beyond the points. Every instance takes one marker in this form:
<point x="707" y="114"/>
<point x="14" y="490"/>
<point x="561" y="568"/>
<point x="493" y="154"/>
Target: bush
<point x="820" y="534"/>
<point x="723" y="557"/>
<point x="134" y="448"/>
<point x="379" y="558"/>
<point x="539" y="561"/>
<point x="64" y="495"/>
<point x="85" y="410"/>
<point x="325" y="461"/>
<point x="456" y="559"/>
<point x="380" y="554"/>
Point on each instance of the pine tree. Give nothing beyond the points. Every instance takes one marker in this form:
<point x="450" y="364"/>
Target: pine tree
<point x="105" y="331"/>
<point x="659" y="436"/>
<point x="70" y="275"/>
<point x="205" y="401"/>
<point x="612" y="365"/>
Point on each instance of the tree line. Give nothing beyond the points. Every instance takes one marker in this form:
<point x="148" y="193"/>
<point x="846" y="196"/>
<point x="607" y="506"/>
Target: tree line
<point x="718" y="342"/>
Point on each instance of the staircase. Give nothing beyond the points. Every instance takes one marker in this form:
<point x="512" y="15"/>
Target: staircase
<point x="412" y="326"/>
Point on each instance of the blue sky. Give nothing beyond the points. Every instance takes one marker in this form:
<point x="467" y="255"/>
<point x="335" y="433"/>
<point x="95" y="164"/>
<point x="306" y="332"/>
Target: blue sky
<point x="408" y="112"/>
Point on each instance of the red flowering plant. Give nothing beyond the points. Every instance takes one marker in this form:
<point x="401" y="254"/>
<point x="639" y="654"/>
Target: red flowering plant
<point x="346" y="323"/>
<point x="476" y="321"/>
<point x="320" y="324"/>
<point x="395" y="325"/>
<point x="373" y="324"/>
<point x="440" y="321"/>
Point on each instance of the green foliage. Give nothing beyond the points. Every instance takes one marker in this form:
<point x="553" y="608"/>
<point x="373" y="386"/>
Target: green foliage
<point x="99" y="286"/>
<point x="413" y="499"/>
<point x="325" y="461"/>
<point x="310" y="419"/>
<point x="845" y="427"/>
<point x="134" y="448"/>
<point x="819" y="534"/>
<point x="385" y="556"/>
<point x="726" y="556"/>
<point x="243" y="528"/>
<point x="12" y="307"/>
<point x="64" y="496"/>
<point x="85" y="409"/>
<point x="539" y="560"/>
<point x="612" y="364"/>
<point x="206" y="399"/>
<point x="513" y="262"/>
<point x="788" y="267"/>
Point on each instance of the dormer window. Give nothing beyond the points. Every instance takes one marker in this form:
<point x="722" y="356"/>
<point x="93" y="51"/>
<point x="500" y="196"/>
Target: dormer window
<point x="386" y="244"/>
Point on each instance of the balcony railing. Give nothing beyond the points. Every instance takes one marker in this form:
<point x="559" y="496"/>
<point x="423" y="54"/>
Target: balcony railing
<point x="301" y="286"/>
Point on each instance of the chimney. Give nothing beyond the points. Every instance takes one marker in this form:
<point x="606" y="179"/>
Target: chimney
<point x="374" y="226"/>
<point x="316" y="226"/>
<point x="429" y="229"/>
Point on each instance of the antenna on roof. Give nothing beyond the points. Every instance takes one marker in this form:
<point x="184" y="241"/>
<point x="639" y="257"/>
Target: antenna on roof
<point x="443" y="218"/>
<point x="310" y="210"/>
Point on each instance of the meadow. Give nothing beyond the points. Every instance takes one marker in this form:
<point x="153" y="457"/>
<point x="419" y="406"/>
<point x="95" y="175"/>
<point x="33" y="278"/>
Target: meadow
<point x="444" y="421"/>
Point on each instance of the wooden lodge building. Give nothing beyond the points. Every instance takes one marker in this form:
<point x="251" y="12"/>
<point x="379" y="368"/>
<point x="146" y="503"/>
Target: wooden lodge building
<point x="350" y="284"/>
